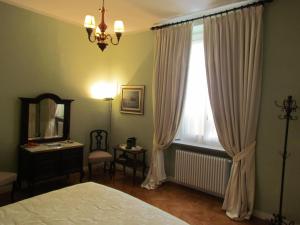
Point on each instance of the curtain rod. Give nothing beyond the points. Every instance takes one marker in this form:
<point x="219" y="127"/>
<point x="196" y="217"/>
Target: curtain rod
<point x="261" y="2"/>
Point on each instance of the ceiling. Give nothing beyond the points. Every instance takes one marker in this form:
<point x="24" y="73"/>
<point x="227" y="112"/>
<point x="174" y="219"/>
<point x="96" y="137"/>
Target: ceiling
<point x="137" y="15"/>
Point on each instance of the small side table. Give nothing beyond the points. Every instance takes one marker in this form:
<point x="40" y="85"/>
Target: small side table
<point x="127" y="161"/>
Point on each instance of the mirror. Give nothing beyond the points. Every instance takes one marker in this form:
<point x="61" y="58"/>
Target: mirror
<point x="45" y="118"/>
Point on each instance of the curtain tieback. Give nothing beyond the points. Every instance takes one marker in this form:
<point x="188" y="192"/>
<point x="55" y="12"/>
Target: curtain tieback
<point x="158" y="147"/>
<point x="244" y="152"/>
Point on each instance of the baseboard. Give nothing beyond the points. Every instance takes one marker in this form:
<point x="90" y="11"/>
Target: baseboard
<point x="173" y="180"/>
<point x="129" y="170"/>
<point x="118" y="167"/>
<point x="265" y="216"/>
<point x="257" y="213"/>
<point x="262" y="215"/>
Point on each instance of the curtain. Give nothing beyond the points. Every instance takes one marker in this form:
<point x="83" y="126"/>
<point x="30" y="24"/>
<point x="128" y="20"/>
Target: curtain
<point x="233" y="54"/>
<point x="171" y="58"/>
<point x="32" y="121"/>
<point x="47" y="117"/>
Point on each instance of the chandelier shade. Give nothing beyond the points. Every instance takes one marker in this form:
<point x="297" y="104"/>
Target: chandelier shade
<point x="119" y="26"/>
<point x="89" y="22"/>
<point x="98" y="33"/>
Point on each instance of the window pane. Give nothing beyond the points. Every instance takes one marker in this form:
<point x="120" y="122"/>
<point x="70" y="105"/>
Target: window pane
<point x="197" y="125"/>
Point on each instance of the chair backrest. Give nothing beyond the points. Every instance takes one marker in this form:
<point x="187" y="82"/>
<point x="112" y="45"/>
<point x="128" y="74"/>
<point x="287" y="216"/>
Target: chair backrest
<point x="98" y="140"/>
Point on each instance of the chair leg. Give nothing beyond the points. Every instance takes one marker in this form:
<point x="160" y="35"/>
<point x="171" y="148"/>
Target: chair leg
<point x="104" y="167"/>
<point x="90" y="171"/>
<point x="111" y="172"/>
<point x="124" y="170"/>
<point x="12" y="196"/>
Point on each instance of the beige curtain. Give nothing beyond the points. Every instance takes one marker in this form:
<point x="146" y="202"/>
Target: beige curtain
<point x="233" y="53"/>
<point x="32" y="126"/>
<point x="171" y="59"/>
<point x="47" y="118"/>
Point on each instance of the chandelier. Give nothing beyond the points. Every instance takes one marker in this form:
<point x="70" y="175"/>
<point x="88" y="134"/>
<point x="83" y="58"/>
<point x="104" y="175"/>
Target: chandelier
<point x="99" y="34"/>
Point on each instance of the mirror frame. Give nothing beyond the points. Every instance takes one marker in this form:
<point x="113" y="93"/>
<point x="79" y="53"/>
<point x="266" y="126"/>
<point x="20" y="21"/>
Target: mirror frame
<point x="25" y="102"/>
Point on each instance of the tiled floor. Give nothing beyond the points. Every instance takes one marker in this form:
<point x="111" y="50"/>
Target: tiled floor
<point x="192" y="206"/>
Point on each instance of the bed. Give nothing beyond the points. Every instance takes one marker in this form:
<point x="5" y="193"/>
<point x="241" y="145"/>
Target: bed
<point x="85" y="204"/>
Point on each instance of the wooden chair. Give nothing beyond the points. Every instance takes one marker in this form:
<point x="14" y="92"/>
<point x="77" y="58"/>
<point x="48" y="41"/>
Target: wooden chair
<point x="99" y="150"/>
<point x="8" y="183"/>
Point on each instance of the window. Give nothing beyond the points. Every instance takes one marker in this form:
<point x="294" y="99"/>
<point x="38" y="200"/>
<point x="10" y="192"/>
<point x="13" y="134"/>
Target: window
<point x="197" y="125"/>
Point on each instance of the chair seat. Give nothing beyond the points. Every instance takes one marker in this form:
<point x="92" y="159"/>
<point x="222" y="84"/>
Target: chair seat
<point x="99" y="156"/>
<point x="7" y="178"/>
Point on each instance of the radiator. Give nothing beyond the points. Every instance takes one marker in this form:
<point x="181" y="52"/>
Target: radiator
<point x="203" y="172"/>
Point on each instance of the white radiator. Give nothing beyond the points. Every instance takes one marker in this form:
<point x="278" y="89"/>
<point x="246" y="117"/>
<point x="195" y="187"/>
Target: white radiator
<point x="204" y="172"/>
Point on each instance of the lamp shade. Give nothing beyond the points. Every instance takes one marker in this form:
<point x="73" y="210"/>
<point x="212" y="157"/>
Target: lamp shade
<point x="104" y="90"/>
<point x="119" y="26"/>
<point x="89" y="22"/>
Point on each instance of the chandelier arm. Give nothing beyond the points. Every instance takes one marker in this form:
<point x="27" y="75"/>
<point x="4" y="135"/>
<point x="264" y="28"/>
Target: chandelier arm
<point x="90" y="33"/>
<point x="91" y="40"/>
<point x="111" y="40"/>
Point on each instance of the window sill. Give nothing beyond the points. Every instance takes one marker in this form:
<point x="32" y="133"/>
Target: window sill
<point x="204" y="149"/>
<point x="198" y="145"/>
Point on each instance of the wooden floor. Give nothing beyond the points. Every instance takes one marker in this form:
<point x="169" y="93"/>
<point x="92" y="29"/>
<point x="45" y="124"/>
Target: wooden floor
<point x="192" y="206"/>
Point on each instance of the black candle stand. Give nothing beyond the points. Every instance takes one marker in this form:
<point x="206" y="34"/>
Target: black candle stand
<point x="288" y="107"/>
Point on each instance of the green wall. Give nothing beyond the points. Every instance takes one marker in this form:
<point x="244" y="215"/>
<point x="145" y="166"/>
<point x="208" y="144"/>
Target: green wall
<point x="281" y="77"/>
<point x="132" y="64"/>
<point x="40" y="54"/>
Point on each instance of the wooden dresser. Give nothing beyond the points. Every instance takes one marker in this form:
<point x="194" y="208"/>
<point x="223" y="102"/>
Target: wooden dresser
<point x="45" y="150"/>
<point x="50" y="160"/>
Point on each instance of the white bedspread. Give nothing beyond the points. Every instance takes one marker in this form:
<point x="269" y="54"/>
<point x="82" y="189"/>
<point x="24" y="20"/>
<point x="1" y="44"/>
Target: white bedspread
<point x="85" y="204"/>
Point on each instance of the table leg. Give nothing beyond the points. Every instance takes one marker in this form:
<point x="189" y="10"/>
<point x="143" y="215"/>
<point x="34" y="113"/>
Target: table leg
<point x="134" y="168"/>
<point x="114" y="163"/>
<point x="114" y="168"/>
<point x="124" y="165"/>
<point x="144" y="164"/>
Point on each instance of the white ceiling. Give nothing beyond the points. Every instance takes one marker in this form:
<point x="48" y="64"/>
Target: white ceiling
<point x="137" y="15"/>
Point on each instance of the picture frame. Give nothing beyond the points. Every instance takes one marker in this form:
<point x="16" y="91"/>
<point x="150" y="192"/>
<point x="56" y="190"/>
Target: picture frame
<point x="132" y="99"/>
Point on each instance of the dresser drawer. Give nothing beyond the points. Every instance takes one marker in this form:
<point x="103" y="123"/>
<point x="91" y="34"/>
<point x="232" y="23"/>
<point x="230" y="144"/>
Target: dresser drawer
<point x="40" y="165"/>
<point x="45" y="165"/>
<point x="72" y="160"/>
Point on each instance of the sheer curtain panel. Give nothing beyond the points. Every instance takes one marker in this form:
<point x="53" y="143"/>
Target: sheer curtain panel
<point x="197" y="125"/>
<point x="171" y="59"/>
<point x="233" y="54"/>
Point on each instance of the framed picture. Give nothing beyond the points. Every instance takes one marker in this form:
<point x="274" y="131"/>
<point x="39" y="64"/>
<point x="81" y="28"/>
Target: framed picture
<point x="132" y="99"/>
